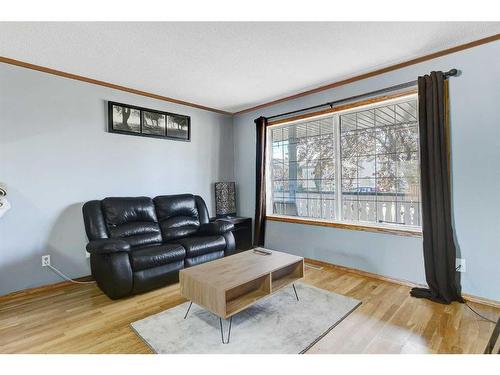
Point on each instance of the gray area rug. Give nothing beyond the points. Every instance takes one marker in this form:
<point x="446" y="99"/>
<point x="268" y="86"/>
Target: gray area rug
<point x="278" y="324"/>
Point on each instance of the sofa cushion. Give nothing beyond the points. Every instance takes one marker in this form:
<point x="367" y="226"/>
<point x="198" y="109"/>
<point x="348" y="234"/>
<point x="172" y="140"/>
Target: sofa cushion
<point x="196" y="246"/>
<point x="142" y="258"/>
<point x="132" y="219"/>
<point x="177" y="215"/>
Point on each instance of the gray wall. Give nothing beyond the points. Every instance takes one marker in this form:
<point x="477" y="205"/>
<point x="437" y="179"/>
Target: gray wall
<point x="475" y="123"/>
<point x="55" y="154"/>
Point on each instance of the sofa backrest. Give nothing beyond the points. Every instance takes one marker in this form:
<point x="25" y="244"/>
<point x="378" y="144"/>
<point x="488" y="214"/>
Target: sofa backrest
<point x="142" y="220"/>
<point x="132" y="219"/>
<point x="178" y="215"/>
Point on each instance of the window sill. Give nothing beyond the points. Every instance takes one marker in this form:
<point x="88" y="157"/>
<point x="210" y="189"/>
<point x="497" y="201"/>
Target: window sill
<point x="406" y="232"/>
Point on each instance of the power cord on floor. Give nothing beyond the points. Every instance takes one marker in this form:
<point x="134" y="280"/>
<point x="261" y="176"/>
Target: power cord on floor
<point x="68" y="278"/>
<point x="482" y="316"/>
<point x="470" y="308"/>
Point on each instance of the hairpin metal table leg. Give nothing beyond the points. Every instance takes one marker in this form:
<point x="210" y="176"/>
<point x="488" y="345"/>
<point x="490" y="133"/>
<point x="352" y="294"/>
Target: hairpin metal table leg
<point x="295" y="290"/>
<point x="189" y="308"/>
<point x="222" y="332"/>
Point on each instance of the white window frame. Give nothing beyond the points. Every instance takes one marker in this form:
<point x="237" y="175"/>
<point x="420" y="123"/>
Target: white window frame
<point x="339" y="222"/>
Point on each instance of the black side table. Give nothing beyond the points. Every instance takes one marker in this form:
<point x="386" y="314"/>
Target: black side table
<point x="242" y="231"/>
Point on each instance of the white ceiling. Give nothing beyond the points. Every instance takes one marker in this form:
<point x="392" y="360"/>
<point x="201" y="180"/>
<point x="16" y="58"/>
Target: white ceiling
<point x="229" y="66"/>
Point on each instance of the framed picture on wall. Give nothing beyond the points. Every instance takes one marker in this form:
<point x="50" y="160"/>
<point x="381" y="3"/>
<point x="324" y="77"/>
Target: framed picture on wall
<point x="126" y="119"/>
<point x="153" y="123"/>
<point x="178" y="126"/>
<point x="145" y="122"/>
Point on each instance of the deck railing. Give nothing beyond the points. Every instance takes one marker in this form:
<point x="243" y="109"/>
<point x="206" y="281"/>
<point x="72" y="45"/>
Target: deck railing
<point x="388" y="208"/>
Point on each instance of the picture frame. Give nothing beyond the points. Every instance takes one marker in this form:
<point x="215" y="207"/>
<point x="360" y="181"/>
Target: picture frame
<point x="177" y="127"/>
<point x="145" y="122"/>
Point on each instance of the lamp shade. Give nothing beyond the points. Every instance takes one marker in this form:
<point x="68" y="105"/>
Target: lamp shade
<point x="225" y="200"/>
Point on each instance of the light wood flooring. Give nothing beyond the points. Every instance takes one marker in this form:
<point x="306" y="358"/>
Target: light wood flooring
<point x="81" y="319"/>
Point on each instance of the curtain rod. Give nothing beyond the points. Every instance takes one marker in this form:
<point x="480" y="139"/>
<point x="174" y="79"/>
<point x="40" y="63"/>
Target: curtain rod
<point x="450" y="73"/>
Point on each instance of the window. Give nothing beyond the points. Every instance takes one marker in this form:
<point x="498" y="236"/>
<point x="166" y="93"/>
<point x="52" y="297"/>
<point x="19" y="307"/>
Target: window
<point x="359" y="166"/>
<point x="303" y="169"/>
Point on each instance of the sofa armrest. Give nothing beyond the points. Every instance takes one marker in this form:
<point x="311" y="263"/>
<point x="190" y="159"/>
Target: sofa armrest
<point x="107" y="246"/>
<point x="218" y="227"/>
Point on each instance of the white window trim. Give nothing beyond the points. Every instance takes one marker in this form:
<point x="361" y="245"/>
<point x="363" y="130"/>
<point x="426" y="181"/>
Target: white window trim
<point x="338" y="170"/>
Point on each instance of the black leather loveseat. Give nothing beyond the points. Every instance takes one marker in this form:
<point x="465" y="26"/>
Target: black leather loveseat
<point x="138" y="244"/>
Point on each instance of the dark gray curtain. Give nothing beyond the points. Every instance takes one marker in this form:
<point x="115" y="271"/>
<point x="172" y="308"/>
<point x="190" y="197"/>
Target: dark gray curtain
<point x="260" y="182"/>
<point x="439" y="244"/>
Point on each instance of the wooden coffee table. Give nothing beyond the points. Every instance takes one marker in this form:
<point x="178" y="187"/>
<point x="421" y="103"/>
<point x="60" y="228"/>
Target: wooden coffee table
<point x="229" y="285"/>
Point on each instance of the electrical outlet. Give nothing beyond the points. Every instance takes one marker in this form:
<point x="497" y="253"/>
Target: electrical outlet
<point x="460" y="264"/>
<point x="45" y="260"/>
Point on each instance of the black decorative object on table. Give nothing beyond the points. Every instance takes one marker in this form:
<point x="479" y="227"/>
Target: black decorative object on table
<point x="144" y="122"/>
<point x="242" y="231"/>
<point x="225" y="201"/>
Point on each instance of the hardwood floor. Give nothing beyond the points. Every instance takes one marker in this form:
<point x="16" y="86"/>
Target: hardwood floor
<point x="81" y="319"/>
